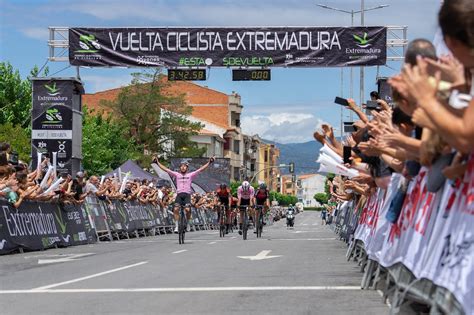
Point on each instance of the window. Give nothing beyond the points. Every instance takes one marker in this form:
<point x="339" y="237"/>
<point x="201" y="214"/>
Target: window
<point x="266" y="156"/>
<point x="252" y="167"/>
<point x="227" y="143"/>
<point x="237" y="146"/>
<point x="289" y="185"/>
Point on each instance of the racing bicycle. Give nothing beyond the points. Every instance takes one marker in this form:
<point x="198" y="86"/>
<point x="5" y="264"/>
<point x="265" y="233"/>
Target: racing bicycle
<point x="259" y="222"/>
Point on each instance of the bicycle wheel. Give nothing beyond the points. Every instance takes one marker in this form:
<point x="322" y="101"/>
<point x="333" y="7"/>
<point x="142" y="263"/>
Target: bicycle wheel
<point x="222" y="224"/>
<point x="244" y="225"/>
<point x="260" y="230"/>
<point x="181" y="227"/>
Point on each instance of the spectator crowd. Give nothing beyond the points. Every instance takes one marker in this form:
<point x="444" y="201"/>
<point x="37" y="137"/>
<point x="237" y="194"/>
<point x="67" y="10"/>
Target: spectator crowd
<point x="19" y="183"/>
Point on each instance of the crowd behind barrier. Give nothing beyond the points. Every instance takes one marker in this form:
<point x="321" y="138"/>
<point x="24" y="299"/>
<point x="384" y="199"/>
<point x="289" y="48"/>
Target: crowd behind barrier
<point x="425" y="256"/>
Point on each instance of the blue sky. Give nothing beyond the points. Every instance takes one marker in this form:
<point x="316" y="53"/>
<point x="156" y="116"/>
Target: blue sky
<point x="286" y="109"/>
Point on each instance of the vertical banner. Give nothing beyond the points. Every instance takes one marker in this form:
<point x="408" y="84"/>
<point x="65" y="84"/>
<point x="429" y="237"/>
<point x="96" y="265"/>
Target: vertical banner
<point x="385" y="91"/>
<point x="54" y="100"/>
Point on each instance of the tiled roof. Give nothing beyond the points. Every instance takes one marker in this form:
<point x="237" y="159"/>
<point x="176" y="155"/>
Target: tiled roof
<point x="207" y="104"/>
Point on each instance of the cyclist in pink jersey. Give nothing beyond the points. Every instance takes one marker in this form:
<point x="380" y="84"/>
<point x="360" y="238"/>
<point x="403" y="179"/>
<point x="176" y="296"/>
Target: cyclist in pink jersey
<point x="183" y="181"/>
<point x="245" y="196"/>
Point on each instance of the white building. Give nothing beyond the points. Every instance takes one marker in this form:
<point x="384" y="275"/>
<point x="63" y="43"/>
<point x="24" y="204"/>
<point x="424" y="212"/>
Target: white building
<point x="307" y="186"/>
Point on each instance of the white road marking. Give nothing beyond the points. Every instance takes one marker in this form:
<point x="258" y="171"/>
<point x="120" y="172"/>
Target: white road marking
<point x="212" y="243"/>
<point x="89" y="277"/>
<point x="260" y="256"/>
<point x="196" y="289"/>
<point x="180" y="251"/>
<point x="63" y="258"/>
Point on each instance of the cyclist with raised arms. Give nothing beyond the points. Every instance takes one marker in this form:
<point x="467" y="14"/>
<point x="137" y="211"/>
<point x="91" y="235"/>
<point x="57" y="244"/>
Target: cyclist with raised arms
<point x="224" y="198"/>
<point x="183" y="181"/>
<point x="262" y="198"/>
<point x="245" y="196"/>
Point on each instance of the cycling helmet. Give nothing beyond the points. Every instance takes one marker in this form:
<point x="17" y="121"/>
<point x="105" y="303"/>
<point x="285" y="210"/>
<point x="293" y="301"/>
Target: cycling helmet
<point x="245" y="185"/>
<point x="263" y="186"/>
<point x="291" y="205"/>
<point x="184" y="162"/>
<point x="223" y="186"/>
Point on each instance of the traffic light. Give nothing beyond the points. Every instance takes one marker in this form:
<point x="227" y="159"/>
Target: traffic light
<point x="293" y="178"/>
<point x="292" y="167"/>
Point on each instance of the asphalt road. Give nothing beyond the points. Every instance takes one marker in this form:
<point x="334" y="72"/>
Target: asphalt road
<point x="308" y="274"/>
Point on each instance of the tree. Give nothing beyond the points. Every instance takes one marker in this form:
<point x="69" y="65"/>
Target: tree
<point x="18" y="138"/>
<point x="155" y="119"/>
<point x="105" y="144"/>
<point x="322" y="198"/>
<point x="15" y="95"/>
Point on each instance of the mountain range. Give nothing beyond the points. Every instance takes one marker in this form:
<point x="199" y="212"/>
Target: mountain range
<point x="304" y="156"/>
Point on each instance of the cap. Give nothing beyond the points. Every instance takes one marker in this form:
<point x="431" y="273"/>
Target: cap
<point x="80" y="174"/>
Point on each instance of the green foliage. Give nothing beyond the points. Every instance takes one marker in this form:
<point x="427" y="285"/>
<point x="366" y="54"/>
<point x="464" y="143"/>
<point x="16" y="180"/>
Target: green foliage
<point x="105" y="144"/>
<point x="15" y="95"/>
<point x="283" y="200"/>
<point x="19" y="139"/>
<point x="156" y="120"/>
<point x="322" y="198"/>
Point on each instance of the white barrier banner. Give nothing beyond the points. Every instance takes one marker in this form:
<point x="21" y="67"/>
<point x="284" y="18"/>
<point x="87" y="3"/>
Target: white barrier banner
<point x="368" y="218"/>
<point x="455" y="270"/>
<point x="374" y="250"/>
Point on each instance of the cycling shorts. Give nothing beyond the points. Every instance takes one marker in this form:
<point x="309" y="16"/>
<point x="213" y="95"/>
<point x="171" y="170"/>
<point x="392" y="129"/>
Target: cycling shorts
<point x="183" y="199"/>
<point x="245" y="202"/>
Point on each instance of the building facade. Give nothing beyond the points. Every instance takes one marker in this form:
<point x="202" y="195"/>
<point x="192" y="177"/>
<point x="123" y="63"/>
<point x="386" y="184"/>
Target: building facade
<point x="307" y="186"/>
<point x="268" y="172"/>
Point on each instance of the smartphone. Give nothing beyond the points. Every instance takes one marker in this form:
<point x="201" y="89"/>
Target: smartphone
<point x="349" y="127"/>
<point x="372" y="105"/>
<point x="347" y="154"/>
<point x="341" y="101"/>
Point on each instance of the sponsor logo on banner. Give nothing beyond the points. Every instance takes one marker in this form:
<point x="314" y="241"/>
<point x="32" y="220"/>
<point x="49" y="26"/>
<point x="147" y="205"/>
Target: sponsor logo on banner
<point x="89" y="47"/>
<point x="53" y="117"/>
<point x="62" y="150"/>
<point x="362" y="42"/>
<point x="52" y="89"/>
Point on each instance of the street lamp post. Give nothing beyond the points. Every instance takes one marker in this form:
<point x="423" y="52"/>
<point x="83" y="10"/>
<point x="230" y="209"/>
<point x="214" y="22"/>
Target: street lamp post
<point x="362" y="22"/>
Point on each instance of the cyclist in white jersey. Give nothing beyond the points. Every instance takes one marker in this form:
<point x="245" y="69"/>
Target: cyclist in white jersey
<point x="245" y="195"/>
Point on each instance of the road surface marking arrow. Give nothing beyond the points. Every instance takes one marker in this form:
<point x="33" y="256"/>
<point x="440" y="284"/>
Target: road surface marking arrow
<point x="260" y="256"/>
<point x="64" y="258"/>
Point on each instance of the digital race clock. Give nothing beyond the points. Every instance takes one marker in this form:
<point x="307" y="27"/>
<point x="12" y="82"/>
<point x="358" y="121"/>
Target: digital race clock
<point x="186" y="74"/>
<point x="251" y="75"/>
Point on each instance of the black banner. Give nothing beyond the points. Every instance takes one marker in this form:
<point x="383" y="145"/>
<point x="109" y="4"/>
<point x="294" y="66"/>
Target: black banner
<point x="385" y="91"/>
<point x="52" y="120"/>
<point x="209" y="180"/>
<point x="228" y="47"/>
<point x="37" y="226"/>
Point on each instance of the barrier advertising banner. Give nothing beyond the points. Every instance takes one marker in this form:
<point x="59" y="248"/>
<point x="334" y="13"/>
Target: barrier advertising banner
<point x="38" y="226"/>
<point x="228" y="47"/>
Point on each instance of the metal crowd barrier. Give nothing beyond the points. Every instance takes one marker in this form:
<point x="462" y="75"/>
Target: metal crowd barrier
<point x="398" y="284"/>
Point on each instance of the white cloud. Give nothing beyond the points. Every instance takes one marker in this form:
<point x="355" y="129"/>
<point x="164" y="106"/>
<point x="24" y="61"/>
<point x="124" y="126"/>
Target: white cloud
<point x="40" y="33"/>
<point x="282" y="127"/>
